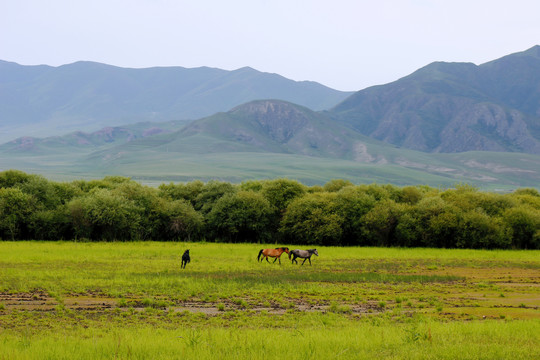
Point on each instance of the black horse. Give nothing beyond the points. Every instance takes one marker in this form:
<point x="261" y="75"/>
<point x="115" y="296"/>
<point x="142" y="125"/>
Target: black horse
<point x="185" y="259"/>
<point x="303" y="254"/>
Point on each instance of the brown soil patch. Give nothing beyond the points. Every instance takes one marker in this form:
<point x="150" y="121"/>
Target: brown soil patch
<point x="40" y="301"/>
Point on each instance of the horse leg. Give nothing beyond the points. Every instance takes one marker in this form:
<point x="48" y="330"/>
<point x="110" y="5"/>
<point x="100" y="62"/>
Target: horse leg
<point x="304" y="261"/>
<point x="267" y="260"/>
<point x="294" y="259"/>
<point x="309" y="258"/>
<point x="274" y="260"/>
<point x="279" y="258"/>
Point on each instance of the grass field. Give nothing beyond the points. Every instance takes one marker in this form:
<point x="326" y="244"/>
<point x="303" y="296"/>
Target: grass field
<point x="488" y="171"/>
<point x="61" y="300"/>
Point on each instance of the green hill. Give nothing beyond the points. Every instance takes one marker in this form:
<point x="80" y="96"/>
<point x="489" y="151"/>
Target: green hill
<point x="269" y="139"/>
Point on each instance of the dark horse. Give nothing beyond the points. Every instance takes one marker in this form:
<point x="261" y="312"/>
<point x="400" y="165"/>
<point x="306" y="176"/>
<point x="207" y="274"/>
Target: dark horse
<point x="275" y="253"/>
<point x="303" y="254"/>
<point x="185" y="259"/>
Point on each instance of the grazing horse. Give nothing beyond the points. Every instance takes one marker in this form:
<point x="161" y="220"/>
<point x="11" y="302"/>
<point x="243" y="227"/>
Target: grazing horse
<point x="275" y="253"/>
<point x="303" y="254"/>
<point x="185" y="259"/>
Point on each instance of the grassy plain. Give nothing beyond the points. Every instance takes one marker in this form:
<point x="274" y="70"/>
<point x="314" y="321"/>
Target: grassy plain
<point x="488" y="171"/>
<point x="132" y="300"/>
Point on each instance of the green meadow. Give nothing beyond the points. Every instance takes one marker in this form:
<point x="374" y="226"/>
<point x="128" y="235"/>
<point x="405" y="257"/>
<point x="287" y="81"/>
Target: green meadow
<point x="131" y="300"/>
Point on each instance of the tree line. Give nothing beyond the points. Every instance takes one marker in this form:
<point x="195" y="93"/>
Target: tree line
<point x="267" y="211"/>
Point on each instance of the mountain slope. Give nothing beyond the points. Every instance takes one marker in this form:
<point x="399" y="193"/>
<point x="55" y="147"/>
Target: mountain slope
<point x="44" y="100"/>
<point x="82" y="142"/>
<point x="265" y="139"/>
<point x="271" y="126"/>
<point x="454" y="107"/>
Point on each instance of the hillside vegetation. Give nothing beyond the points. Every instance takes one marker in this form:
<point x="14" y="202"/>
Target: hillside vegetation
<point x="281" y="210"/>
<point x="262" y="139"/>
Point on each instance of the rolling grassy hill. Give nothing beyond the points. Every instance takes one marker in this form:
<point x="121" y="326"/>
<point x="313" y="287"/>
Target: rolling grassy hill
<point x="269" y="139"/>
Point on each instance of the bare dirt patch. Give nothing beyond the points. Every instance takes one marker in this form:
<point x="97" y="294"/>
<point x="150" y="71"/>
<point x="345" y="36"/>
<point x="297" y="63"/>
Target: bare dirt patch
<point x="41" y="301"/>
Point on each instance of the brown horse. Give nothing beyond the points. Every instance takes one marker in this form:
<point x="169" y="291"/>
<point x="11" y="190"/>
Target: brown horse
<point x="275" y="253"/>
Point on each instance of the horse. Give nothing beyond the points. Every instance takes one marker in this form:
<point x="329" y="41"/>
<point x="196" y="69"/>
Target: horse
<point x="275" y="253"/>
<point x="303" y="254"/>
<point x="185" y="259"/>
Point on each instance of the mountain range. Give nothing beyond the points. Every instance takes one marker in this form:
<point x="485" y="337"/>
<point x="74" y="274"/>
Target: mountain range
<point x="454" y="107"/>
<point x="85" y="96"/>
<point x="443" y="124"/>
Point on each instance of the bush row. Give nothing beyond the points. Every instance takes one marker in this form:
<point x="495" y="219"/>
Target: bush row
<point x="270" y="211"/>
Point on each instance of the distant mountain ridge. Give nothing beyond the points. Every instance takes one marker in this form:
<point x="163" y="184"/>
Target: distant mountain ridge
<point x="454" y="107"/>
<point x="443" y="124"/>
<point x="79" y="141"/>
<point x="44" y="100"/>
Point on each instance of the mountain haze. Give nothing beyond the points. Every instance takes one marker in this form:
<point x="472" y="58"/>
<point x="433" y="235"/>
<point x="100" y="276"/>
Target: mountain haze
<point x="444" y="124"/>
<point x="86" y="96"/>
<point x="454" y="107"/>
<point x="79" y="141"/>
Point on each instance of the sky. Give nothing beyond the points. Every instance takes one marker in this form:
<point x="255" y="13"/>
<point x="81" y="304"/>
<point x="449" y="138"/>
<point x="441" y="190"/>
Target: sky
<point x="344" y="44"/>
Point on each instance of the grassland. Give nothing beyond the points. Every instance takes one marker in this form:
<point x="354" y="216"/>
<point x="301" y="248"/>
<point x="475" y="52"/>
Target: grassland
<point x="132" y="300"/>
<point x="488" y="171"/>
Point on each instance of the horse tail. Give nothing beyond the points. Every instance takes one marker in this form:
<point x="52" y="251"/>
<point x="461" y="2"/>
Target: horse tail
<point x="259" y="256"/>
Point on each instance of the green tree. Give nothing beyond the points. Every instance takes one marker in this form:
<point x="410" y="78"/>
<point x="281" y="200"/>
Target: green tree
<point x="351" y="204"/>
<point x="240" y="217"/>
<point x="527" y="191"/>
<point x="378" y="192"/>
<point x="380" y="223"/>
<point x="11" y="178"/>
<point x="444" y="227"/>
<point x="42" y="190"/>
<point x="51" y="224"/>
<point x="15" y="209"/>
<point x="210" y="193"/>
<point x="477" y="230"/>
<point x="410" y="195"/>
<point x="82" y="226"/>
<point x="146" y="202"/>
<point x="66" y="191"/>
<point x="435" y="225"/>
<point x="102" y="214"/>
<point x="335" y="185"/>
<point x="252" y="185"/>
<point x="281" y="192"/>
<point x="188" y="191"/>
<point x="312" y="219"/>
<point x="179" y="220"/>
<point x="408" y="231"/>
<point x="524" y="222"/>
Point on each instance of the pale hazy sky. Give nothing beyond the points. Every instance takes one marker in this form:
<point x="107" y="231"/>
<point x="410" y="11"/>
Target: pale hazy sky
<point x="344" y="44"/>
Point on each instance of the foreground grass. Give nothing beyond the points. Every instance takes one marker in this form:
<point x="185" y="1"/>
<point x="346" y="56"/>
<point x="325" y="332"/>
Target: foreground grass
<point x="132" y="300"/>
<point x="321" y="336"/>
